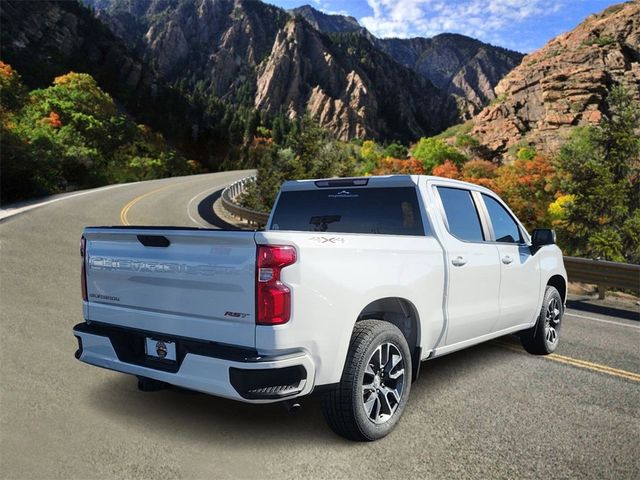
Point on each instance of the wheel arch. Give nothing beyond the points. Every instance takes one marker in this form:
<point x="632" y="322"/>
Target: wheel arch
<point x="403" y="314"/>
<point x="560" y="284"/>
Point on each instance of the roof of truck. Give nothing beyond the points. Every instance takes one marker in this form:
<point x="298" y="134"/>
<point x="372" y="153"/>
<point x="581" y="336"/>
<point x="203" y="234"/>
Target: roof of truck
<point x="374" y="181"/>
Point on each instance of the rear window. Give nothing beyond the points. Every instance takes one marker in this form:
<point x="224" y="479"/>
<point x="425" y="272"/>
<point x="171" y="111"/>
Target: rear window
<point x="387" y="211"/>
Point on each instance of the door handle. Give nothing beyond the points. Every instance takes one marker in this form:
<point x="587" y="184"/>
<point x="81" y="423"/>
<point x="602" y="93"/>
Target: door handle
<point x="459" y="261"/>
<point x="507" y="259"/>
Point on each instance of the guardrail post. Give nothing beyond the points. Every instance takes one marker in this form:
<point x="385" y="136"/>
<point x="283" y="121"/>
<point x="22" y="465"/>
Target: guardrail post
<point x="602" y="290"/>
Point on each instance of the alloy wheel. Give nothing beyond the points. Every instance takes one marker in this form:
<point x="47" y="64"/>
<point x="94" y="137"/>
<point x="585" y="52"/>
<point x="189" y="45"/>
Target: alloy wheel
<point x="383" y="383"/>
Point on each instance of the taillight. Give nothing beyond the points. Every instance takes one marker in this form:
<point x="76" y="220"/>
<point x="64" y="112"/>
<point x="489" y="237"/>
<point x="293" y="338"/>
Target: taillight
<point x="83" y="277"/>
<point x="273" y="298"/>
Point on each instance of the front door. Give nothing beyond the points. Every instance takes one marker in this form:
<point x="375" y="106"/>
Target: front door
<point x="520" y="270"/>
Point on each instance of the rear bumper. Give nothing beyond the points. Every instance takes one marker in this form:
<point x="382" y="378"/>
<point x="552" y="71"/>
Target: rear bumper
<point x="231" y="372"/>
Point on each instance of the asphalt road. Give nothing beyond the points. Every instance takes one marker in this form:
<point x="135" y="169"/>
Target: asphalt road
<point x="491" y="411"/>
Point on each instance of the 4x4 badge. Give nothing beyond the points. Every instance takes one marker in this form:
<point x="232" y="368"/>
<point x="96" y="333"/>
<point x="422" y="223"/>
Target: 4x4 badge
<point x="327" y="239"/>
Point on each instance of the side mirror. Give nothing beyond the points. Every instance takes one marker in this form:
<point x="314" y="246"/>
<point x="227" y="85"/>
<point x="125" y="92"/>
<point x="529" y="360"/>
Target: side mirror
<point x="541" y="237"/>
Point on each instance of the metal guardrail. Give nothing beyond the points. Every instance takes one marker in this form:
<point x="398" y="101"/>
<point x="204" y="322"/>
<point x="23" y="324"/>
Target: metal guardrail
<point x="603" y="274"/>
<point x="229" y="196"/>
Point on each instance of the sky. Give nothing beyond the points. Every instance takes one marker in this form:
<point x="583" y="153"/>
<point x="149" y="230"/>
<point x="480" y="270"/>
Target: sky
<point x="522" y="25"/>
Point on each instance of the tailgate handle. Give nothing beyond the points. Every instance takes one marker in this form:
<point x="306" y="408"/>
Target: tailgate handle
<point x="154" y="240"/>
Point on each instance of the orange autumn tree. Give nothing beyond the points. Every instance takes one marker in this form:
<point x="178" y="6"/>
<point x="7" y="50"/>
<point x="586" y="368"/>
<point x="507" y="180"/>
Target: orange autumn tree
<point x="448" y="170"/>
<point x="480" y="172"/>
<point x="390" y="165"/>
<point x="528" y="186"/>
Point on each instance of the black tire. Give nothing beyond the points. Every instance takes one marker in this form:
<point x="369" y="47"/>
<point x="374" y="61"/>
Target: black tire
<point x="536" y="340"/>
<point x="344" y="407"/>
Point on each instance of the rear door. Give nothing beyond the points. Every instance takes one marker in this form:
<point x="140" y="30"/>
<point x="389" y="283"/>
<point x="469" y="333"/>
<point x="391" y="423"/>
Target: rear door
<point x="520" y="270"/>
<point x="473" y="266"/>
<point x="183" y="282"/>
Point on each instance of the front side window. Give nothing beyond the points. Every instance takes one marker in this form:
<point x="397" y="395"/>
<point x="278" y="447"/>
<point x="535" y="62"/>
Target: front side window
<point x="504" y="226"/>
<point x="462" y="216"/>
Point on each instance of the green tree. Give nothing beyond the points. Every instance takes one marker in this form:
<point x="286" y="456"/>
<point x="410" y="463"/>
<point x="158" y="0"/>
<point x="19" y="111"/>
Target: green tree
<point x="371" y="153"/>
<point x="433" y="152"/>
<point x="600" y="168"/>
<point x="71" y="135"/>
<point x="312" y="154"/>
<point x="253" y="121"/>
<point x="396" y="150"/>
<point x="278" y="129"/>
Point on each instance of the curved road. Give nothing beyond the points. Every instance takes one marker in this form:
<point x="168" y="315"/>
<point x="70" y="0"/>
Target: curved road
<point x="490" y="411"/>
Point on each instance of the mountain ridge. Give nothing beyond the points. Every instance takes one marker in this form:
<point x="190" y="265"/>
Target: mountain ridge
<point x="163" y="34"/>
<point x="564" y="84"/>
<point x="458" y="64"/>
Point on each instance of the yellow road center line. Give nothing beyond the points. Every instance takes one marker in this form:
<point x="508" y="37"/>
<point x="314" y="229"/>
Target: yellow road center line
<point x="596" y="367"/>
<point x="127" y="207"/>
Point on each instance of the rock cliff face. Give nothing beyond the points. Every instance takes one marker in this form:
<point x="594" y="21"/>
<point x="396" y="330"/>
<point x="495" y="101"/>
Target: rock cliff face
<point x="307" y="71"/>
<point x="565" y="83"/>
<point x="459" y="65"/>
<point x="218" y="42"/>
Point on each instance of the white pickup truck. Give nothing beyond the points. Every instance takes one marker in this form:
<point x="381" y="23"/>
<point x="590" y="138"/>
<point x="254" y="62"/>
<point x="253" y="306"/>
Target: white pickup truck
<point x="351" y="285"/>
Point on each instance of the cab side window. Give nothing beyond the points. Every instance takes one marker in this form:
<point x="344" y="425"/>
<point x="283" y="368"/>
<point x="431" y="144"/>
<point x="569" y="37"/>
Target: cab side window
<point x="462" y="216"/>
<point x="504" y="226"/>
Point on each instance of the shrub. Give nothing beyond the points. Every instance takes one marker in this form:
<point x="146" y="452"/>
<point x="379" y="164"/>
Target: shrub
<point x="390" y="165"/>
<point x="433" y="152"/>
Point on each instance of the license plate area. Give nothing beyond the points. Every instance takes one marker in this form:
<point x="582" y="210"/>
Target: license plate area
<point x="160" y="349"/>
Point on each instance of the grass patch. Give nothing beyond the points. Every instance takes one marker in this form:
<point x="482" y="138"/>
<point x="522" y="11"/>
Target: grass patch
<point x="455" y="130"/>
<point x="499" y="99"/>
<point x="600" y="41"/>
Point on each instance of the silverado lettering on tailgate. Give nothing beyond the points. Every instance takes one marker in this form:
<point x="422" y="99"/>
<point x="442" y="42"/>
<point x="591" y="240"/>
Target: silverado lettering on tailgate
<point x="128" y="265"/>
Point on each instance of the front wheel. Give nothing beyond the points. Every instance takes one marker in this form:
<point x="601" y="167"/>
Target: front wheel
<point x="543" y="337"/>
<point x="375" y="383"/>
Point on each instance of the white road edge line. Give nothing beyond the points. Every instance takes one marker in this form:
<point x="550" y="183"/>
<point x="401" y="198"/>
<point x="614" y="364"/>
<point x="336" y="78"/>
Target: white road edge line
<point x="603" y="320"/>
<point x="10" y="212"/>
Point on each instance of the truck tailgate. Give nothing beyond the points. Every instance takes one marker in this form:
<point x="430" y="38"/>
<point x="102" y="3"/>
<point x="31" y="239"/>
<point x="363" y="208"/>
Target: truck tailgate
<point x="183" y="282"/>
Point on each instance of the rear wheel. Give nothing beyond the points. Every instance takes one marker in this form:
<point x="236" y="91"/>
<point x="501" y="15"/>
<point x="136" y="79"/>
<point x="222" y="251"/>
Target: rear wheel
<point x="375" y="383"/>
<point x="543" y="337"/>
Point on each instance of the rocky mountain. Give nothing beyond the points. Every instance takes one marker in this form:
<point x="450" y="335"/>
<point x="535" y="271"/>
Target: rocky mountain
<point x="349" y="86"/>
<point x="564" y="84"/>
<point x="252" y="53"/>
<point x="328" y="23"/>
<point x="211" y="61"/>
<point x="459" y="65"/>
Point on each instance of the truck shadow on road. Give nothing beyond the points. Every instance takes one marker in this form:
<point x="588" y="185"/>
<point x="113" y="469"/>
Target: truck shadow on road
<point x="205" y="210"/>
<point x="200" y="417"/>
